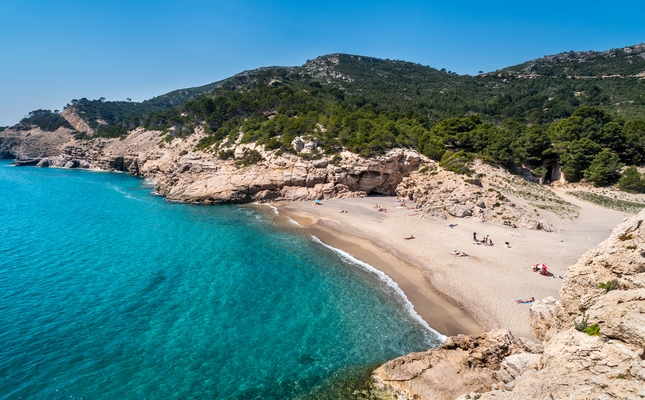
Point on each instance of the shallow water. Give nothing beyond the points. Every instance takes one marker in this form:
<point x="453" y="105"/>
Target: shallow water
<point x="110" y="292"/>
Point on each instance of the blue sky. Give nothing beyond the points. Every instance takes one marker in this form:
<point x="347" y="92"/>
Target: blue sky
<point x="55" y="51"/>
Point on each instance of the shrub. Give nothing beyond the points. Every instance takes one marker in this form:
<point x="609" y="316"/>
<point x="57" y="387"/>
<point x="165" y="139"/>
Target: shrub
<point x="593" y="330"/>
<point x="609" y="285"/>
<point x="252" y="157"/>
<point x="604" y="168"/>
<point x="225" y="154"/>
<point x="456" y="162"/>
<point x="582" y="325"/>
<point x="632" y="181"/>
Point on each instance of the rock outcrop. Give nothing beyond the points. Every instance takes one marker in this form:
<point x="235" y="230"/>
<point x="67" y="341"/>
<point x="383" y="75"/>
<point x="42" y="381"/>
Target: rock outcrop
<point x="183" y="173"/>
<point x="593" y="340"/>
<point x="32" y="144"/>
<point x="484" y="196"/>
<point x="463" y="364"/>
<point x="76" y="121"/>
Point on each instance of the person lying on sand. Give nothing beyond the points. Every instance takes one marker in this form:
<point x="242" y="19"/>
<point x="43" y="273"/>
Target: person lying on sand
<point x="525" y="301"/>
<point x="409" y="237"/>
<point x="382" y="209"/>
<point x="343" y="211"/>
<point x="459" y="253"/>
<point x="451" y="226"/>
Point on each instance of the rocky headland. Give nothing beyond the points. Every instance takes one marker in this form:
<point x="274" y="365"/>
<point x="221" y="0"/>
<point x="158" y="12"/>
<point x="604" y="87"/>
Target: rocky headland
<point x="591" y="342"/>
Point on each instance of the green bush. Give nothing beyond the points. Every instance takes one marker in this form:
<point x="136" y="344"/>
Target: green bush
<point x="632" y="181"/>
<point x="592" y="330"/>
<point x="609" y="285"/>
<point x="583" y="324"/>
<point x="252" y="157"/>
<point x="225" y="154"/>
<point x="457" y="162"/>
<point x="604" y="168"/>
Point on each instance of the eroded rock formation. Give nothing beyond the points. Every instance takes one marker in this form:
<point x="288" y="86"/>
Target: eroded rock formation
<point x="183" y="173"/>
<point x="442" y="193"/>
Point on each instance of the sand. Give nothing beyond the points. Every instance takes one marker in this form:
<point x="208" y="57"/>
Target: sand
<point x="457" y="294"/>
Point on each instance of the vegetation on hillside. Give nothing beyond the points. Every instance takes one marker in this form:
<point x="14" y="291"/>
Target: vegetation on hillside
<point x="584" y="110"/>
<point x="44" y="119"/>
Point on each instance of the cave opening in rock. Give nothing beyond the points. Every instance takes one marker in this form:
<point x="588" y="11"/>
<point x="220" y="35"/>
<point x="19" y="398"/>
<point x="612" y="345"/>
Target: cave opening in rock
<point x="7" y="155"/>
<point x="548" y="177"/>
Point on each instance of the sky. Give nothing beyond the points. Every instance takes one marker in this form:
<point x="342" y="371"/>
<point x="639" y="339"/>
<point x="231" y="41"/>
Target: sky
<point x="56" y="51"/>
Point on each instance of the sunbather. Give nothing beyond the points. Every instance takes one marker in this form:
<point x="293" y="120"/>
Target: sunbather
<point x="525" y="301"/>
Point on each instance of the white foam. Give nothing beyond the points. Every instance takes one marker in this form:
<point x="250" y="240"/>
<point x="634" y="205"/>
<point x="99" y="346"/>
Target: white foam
<point x="123" y="192"/>
<point x="348" y="258"/>
<point x="273" y="208"/>
<point x="293" y="221"/>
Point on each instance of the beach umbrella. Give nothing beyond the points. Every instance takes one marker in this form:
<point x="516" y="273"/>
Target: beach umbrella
<point x="541" y="266"/>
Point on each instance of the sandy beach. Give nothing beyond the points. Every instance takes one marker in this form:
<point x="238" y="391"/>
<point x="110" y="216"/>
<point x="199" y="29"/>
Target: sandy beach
<point x="457" y="294"/>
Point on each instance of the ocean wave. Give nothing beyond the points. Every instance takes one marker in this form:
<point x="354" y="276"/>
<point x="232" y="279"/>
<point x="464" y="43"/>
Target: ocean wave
<point x="273" y="208"/>
<point x="293" y="221"/>
<point x="123" y="192"/>
<point x="383" y="277"/>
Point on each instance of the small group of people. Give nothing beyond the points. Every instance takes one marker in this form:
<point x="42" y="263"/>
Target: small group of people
<point x="509" y="223"/>
<point x="486" y="241"/>
<point x="457" y="253"/>
<point x="379" y="208"/>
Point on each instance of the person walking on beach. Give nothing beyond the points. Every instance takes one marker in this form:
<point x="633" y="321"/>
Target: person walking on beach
<point x="475" y="237"/>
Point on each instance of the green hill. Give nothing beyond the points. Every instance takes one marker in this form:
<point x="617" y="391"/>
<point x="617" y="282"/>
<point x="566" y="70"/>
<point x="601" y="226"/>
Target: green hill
<point x="584" y="109"/>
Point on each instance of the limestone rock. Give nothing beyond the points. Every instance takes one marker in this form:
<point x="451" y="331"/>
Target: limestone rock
<point x="463" y="364"/>
<point x="459" y="211"/>
<point x="542" y="317"/>
<point x="298" y="144"/>
<point x="76" y="121"/>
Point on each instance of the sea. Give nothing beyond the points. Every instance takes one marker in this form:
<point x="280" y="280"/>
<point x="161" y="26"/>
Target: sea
<point x="108" y="291"/>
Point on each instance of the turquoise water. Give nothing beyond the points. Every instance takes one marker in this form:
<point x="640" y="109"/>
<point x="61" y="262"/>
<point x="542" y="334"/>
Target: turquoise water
<point x="110" y="292"/>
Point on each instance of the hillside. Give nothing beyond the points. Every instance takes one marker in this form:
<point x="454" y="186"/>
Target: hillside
<point x="537" y="91"/>
<point x="582" y="111"/>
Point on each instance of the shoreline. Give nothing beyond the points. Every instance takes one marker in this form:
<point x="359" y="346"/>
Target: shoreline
<point x="453" y="295"/>
<point x="439" y="311"/>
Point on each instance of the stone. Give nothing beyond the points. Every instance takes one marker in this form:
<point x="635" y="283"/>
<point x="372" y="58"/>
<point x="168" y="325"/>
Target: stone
<point x="459" y="211"/>
<point x="298" y="144"/>
<point x="542" y="317"/>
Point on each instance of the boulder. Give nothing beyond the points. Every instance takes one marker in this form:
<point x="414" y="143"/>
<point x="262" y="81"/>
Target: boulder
<point x="459" y="211"/>
<point x="542" y="317"/>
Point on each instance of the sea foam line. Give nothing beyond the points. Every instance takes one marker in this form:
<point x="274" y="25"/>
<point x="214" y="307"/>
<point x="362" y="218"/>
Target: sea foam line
<point x="383" y="277"/>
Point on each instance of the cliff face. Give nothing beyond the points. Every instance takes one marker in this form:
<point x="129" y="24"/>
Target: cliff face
<point x="603" y="357"/>
<point x="76" y="121"/>
<point x="200" y="177"/>
<point x="33" y="143"/>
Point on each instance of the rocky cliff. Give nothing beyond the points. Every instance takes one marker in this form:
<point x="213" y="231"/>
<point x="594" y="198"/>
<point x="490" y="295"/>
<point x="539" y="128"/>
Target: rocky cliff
<point x="183" y="173"/>
<point x="593" y="340"/>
